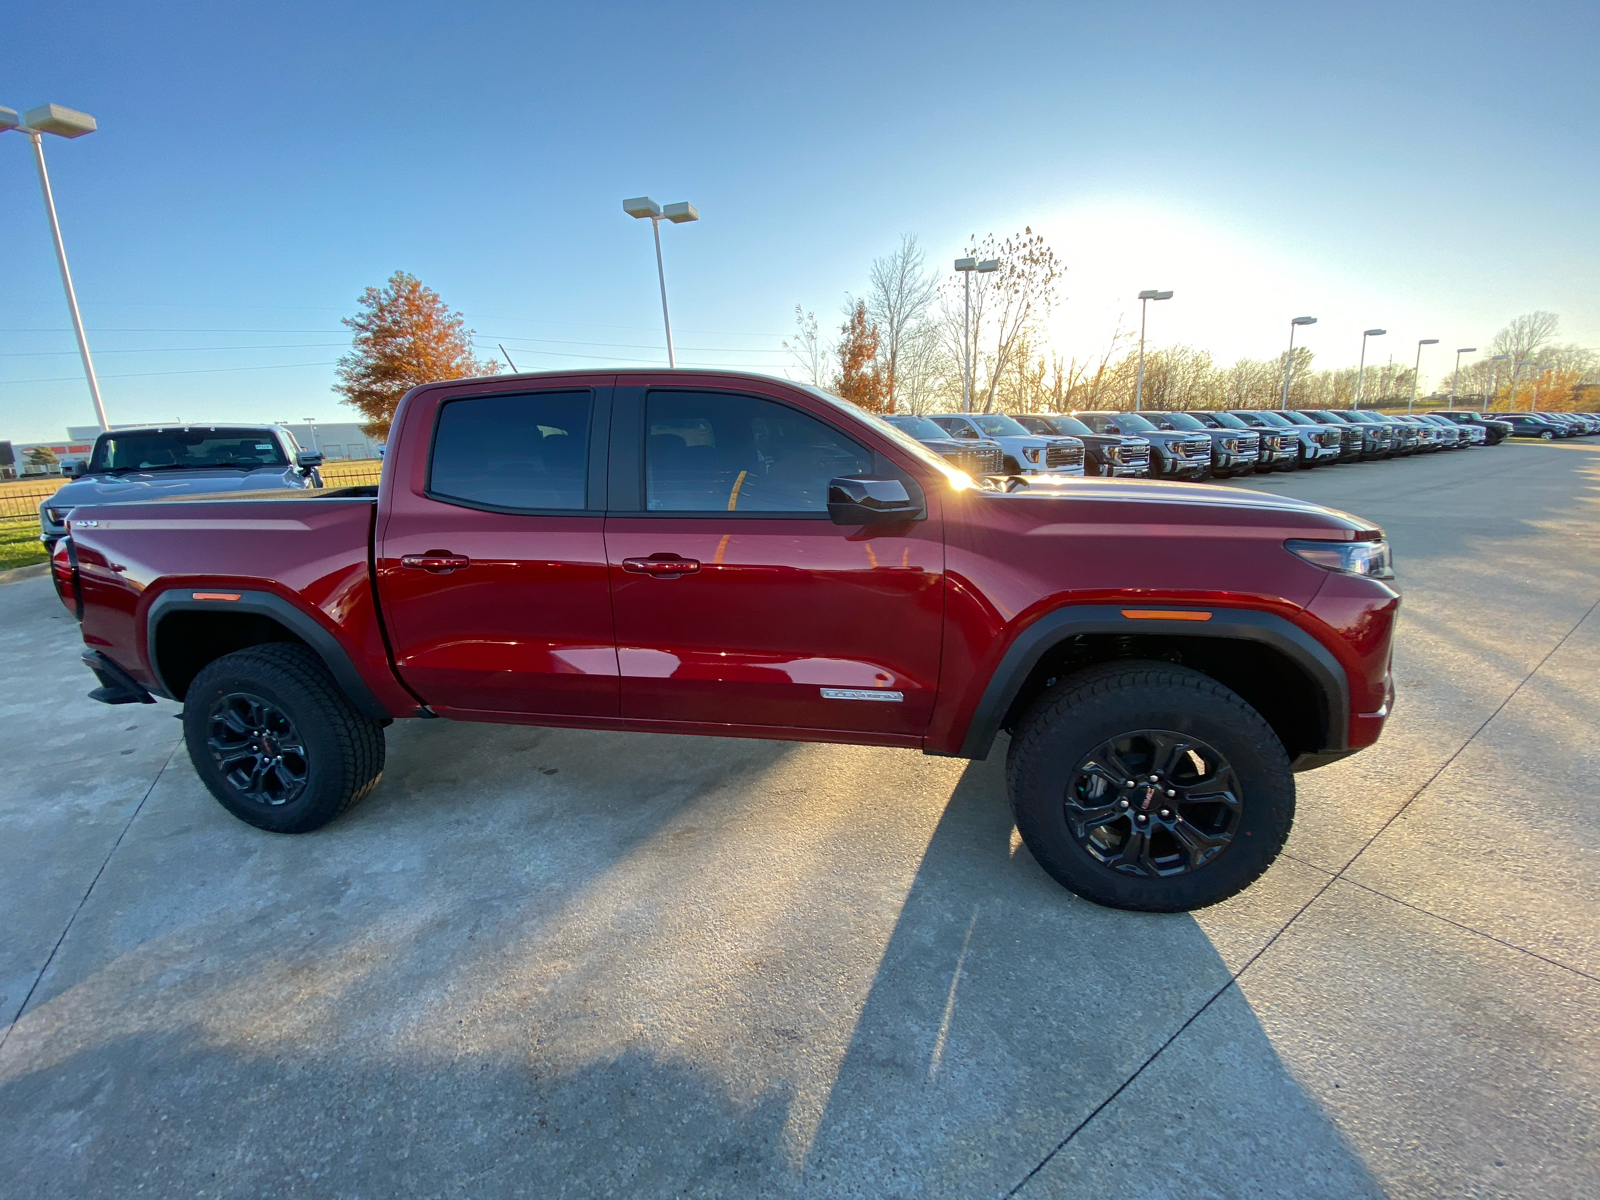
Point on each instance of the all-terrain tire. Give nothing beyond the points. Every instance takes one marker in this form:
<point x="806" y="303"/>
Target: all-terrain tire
<point x="1084" y="713"/>
<point x="279" y="700"/>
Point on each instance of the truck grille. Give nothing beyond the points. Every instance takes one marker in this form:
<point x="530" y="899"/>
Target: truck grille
<point x="1195" y="448"/>
<point x="978" y="461"/>
<point x="1131" y="456"/>
<point x="1063" y="456"/>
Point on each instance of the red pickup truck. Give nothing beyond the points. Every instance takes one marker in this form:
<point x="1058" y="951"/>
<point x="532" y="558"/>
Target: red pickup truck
<point x="720" y="553"/>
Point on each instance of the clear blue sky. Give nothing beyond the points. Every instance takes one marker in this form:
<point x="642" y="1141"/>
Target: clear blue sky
<point x="1427" y="167"/>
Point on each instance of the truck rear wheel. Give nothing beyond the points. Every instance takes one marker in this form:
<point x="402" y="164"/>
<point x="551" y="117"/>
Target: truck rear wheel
<point x="1146" y="786"/>
<point x="276" y="741"/>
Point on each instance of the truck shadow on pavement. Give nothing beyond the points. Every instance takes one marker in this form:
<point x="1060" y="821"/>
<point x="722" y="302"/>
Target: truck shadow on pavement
<point x="695" y="968"/>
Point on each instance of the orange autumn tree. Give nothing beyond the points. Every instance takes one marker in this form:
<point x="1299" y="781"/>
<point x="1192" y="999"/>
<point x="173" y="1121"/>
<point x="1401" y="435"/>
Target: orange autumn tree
<point x="860" y="379"/>
<point x="404" y="336"/>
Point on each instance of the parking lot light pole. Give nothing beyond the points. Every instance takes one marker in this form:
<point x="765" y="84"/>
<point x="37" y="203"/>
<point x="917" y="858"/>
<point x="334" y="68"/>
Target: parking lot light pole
<point x="1541" y="368"/>
<point x="1416" y="369"/>
<point x="1361" y="371"/>
<point x="1456" y="378"/>
<point x="967" y="266"/>
<point x="1144" y="306"/>
<point x="1288" y="363"/>
<point x="67" y="123"/>
<point x="1488" y="387"/>
<point x="642" y="207"/>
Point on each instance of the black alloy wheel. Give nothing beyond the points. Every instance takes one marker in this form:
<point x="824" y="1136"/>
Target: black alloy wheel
<point x="276" y="741"/>
<point x="1153" y="803"/>
<point x="1149" y="786"/>
<point x="257" y="749"/>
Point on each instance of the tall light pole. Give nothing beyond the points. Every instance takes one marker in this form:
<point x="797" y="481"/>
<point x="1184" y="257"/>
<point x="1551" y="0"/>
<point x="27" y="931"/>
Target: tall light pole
<point x="1416" y="369"/>
<point x="1511" y="400"/>
<point x="1541" y="368"/>
<point x="967" y="266"/>
<point x="1488" y="388"/>
<point x="1288" y="363"/>
<point x="1361" y="371"/>
<point x="642" y="207"/>
<point x="63" y="122"/>
<point x="1456" y="378"/>
<point x="1144" y="306"/>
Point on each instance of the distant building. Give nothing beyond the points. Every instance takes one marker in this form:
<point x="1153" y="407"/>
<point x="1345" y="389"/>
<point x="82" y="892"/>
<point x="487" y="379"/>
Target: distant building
<point x="335" y="441"/>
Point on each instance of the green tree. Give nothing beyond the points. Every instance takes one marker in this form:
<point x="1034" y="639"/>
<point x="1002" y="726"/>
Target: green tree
<point x="42" y="456"/>
<point x="404" y="336"/>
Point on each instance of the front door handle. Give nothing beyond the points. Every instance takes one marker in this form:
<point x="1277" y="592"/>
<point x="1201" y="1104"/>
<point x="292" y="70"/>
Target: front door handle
<point x="661" y="566"/>
<point x="438" y="562"/>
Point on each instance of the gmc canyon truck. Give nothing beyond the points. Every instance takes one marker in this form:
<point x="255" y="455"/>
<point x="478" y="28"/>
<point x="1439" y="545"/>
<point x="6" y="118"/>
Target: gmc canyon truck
<point x="717" y="553"/>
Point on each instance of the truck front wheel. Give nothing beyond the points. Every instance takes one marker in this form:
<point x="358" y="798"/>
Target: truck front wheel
<point x="276" y="741"/>
<point x="1147" y="786"/>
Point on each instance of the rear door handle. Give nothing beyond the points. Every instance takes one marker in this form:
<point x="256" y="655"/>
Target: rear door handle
<point x="439" y="562"/>
<point x="661" y="566"/>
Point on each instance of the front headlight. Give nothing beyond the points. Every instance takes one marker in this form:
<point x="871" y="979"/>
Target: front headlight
<point x="58" y="516"/>
<point x="1031" y="453"/>
<point x="1372" y="559"/>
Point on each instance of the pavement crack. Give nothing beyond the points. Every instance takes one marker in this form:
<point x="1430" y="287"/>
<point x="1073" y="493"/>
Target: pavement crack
<point x="1428" y="912"/>
<point x="67" y="928"/>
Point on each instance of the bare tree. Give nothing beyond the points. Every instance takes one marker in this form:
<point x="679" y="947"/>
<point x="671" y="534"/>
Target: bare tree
<point x="900" y="290"/>
<point x="811" y="354"/>
<point x="1526" y="335"/>
<point x="928" y="376"/>
<point x="1024" y="293"/>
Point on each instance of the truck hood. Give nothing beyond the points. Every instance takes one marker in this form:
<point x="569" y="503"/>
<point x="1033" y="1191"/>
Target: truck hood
<point x="130" y="486"/>
<point x="1191" y="505"/>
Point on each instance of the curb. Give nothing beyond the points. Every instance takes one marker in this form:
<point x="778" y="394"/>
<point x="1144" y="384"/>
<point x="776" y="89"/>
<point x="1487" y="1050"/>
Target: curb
<point x="18" y="574"/>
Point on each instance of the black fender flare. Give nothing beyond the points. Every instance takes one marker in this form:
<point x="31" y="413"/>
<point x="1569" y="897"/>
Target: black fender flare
<point x="1237" y="624"/>
<point x="266" y="604"/>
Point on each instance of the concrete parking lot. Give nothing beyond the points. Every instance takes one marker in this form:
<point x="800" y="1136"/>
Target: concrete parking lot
<point x="561" y="963"/>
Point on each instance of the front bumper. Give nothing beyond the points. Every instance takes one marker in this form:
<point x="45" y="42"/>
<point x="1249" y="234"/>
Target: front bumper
<point x="1165" y="467"/>
<point x="1234" y="460"/>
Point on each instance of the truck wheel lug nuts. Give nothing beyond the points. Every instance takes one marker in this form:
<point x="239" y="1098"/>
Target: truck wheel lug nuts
<point x="1165" y="813"/>
<point x="1171" y="792"/>
<point x="1155" y="779"/>
<point x="1122" y="804"/>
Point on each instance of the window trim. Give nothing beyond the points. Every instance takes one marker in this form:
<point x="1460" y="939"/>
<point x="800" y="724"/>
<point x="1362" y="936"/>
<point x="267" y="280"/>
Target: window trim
<point x="641" y="416"/>
<point x="595" y="453"/>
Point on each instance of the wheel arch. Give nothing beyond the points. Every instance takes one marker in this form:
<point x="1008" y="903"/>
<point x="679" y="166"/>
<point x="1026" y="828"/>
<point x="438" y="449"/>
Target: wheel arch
<point x="1277" y="668"/>
<point x="183" y="634"/>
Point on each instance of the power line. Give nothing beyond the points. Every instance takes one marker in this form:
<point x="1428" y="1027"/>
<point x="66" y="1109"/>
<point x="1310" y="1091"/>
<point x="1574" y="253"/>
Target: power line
<point x="172" y="349"/>
<point x="149" y="374"/>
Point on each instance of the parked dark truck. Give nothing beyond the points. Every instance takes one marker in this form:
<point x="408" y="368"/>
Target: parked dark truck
<point x="718" y="553"/>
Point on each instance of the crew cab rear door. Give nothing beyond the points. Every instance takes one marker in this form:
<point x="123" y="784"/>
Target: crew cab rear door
<point x="491" y="555"/>
<point x="737" y="601"/>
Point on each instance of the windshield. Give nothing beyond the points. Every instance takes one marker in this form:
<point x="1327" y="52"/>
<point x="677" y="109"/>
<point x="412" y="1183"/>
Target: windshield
<point x="1177" y="420"/>
<point x="1294" y="418"/>
<point x="1066" y="425"/>
<point x="1133" y="423"/>
<point x="999" y="425"/>
<point x="186" y="450"/>
<point x="1228" y="421"/>
<point x="918" y="427"/>
<point x="1271" y="418"/>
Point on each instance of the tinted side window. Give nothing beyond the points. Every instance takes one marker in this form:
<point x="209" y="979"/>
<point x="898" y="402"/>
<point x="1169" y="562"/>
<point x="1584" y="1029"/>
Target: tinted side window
<point x="709" y="452"/>
<point x="516" y="452"/>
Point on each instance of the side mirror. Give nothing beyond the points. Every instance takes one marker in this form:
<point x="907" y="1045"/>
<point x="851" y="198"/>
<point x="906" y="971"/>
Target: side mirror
<point x="79" y="469"/>
<point x="308" y="460"/>
<point x="870" y="502"/>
